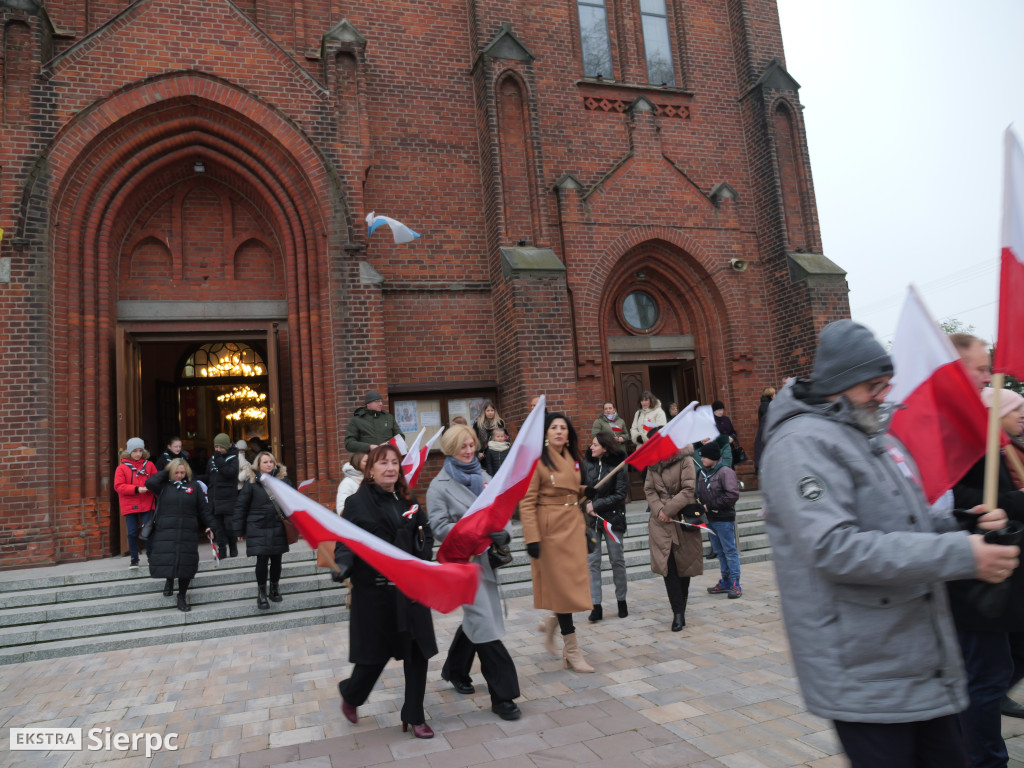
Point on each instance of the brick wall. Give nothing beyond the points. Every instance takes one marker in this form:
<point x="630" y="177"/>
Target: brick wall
<point x="416" y="113"/>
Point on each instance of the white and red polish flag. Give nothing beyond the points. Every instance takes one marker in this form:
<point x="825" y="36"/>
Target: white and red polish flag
<point x="399" y="442"/>
<point x="688" y="426"/>
<point x="494" y="507"/>
<point x="943" y="424"/>
<point x="443" y="587"/>
<point x="608" y="530"/>
<point x="1009" y="353"/>
<point x="414" y="460"/>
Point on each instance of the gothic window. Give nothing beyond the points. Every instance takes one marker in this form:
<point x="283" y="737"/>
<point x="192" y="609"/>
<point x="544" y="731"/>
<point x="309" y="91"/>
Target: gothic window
<point x="594" y="42"/>
<point x="656" y="43"/>
<point x="222" y="360"/>
<point x="640" y="311"/>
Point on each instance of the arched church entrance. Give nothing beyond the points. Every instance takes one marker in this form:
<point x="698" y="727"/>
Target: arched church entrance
<point x="660" y="323"/>
<point x="190" y="283"/>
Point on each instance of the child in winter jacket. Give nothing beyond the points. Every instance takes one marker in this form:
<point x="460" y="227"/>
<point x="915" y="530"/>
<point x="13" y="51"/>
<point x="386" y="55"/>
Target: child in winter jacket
<point x="496" y="451"/>
<point x="135" y="499"/>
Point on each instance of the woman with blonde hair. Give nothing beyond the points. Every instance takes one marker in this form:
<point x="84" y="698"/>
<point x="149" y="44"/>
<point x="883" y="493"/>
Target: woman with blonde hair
<point x="485" y="424"/>
<point x="555" y="535"/>
<point x="259" y="523"/>
<point x="181" y="507"/>
<point x="452" y="492"/>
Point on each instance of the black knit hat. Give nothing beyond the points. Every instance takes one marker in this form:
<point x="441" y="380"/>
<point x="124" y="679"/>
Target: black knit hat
<point x="711" y="451"/>
<point x="372" y="396"/>
<point x="718" y="405"/>
<point x="848" y="354"/>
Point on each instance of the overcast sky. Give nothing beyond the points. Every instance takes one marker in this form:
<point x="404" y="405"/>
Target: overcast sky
<point x="905" y="104"/>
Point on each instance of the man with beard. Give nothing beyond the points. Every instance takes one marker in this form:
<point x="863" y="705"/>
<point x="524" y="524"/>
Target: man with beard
<point x="861" y="560"/>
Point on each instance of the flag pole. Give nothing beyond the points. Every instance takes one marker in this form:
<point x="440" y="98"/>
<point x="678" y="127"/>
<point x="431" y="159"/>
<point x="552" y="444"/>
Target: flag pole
<point x="991" y="492"/>
<point x="607" y="477"/>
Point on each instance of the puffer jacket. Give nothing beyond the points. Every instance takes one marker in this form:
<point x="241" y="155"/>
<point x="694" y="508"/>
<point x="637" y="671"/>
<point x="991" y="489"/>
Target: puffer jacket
<point x="367" y="428"/>
<point x="222" y="481"/>
<point x="860" y="562"/>
<point x="128" y="478"/>
<point x="182" y="509"/>
<point x="348" y="485"/>
<point x="610" y="500"/>
<point x="257" y="518"/>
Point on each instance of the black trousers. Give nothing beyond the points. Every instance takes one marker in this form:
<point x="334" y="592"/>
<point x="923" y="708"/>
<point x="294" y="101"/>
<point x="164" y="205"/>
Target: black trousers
<point x="225" y="536"/>
<point x="182" y="585"/>
<point x="678" y="587"/>
<point x="496" y="665"/>
<point x="274" y="561"/>
<point x="926" y="744"/>
<point x="356" y="689"/>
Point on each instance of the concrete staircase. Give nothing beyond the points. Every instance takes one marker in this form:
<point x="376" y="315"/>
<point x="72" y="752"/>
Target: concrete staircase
<point x="102" y="605"/>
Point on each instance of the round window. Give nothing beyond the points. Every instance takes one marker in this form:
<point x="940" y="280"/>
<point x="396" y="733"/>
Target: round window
<point x="640" y="310"/>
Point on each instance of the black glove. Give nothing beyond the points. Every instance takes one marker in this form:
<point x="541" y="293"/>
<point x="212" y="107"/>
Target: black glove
<point x="533" y="549"/>
<point x="337" y="577"/>
<point x="501" y="538"/>
<point x="591" y="491"/>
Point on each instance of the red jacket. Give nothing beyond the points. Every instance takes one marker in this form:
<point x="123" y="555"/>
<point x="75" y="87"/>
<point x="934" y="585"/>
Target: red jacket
<point x="129" y="476"/>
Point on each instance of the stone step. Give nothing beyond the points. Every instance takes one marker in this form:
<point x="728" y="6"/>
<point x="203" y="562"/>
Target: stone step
<point x="104" y="605"/>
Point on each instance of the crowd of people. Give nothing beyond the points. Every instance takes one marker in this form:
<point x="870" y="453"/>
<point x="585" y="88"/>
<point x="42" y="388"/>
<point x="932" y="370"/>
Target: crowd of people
<point x="571" y="496"/>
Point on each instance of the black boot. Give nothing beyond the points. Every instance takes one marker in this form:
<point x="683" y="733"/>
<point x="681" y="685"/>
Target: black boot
<point x="222" y="552"/>
<point x="183" y="603"/>
<point x="233" y="549"/>
<point x="623" y="610"/>
<point x="597" y="614"/>
<point x="274" y="594"/>
<point x="261" y="599"/>
<point x="678" y="622"/>
<point x="168" y="587"/>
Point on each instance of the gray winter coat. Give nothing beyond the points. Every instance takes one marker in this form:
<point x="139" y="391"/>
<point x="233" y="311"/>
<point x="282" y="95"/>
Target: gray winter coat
<point x="860" y="566"/>
<point x="447" y="502"/>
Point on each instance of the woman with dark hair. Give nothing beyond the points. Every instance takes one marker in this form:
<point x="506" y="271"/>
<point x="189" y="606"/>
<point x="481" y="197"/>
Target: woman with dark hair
<point x="609" y="502"/>
<point x="452" y="492"/>
<point x="555" y="535"/>
<point x="385" y="624"/>
<point x="182" y="507"/>
<point x="648" y="416"/>
<point x="258" y="521"/>
<point x="767" y="395"/>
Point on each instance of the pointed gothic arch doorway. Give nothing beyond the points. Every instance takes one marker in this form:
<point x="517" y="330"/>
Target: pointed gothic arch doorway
<point x="157" y="398"/>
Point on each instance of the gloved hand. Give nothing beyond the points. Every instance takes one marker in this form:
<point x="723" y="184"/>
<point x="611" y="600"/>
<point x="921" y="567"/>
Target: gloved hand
<point x="533" y="549"/>
<point x="501" y="538"/>
<point x="590" y="492"/>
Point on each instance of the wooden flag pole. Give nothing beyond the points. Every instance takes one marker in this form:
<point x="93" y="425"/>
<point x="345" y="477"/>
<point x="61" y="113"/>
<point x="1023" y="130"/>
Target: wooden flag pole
<point x="991" y="493"/>
<point x="604" y="479"/>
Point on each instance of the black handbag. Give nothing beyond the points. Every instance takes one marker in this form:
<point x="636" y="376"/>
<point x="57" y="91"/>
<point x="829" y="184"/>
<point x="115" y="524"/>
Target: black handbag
<point x="589" y="530"/>
<point x="498" y="556"/>
<point x="150" y="526"/>
<point x="738" y="454"/>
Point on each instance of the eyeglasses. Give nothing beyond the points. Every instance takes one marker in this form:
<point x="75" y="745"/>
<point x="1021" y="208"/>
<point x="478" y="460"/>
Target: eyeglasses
<point x="874" y="390"/>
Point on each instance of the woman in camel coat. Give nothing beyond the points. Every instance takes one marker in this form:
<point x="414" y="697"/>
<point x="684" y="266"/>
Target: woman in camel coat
<point x="677" y="552"/>
<point x="555" y="536"/>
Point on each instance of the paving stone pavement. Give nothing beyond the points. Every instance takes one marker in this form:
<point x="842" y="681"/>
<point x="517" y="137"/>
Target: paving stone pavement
<point x="719" y="694"/>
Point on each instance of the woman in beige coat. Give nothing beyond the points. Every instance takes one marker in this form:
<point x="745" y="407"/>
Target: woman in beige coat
<point x="555" y="536"/>
<point x="677" y="552"/>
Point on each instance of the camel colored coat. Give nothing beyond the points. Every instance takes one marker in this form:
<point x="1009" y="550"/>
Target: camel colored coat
<point x="551" y="516"/>
<point x="670" y="487"/>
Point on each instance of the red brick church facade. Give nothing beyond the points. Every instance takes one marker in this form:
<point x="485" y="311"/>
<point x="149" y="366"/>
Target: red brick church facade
<point x="176" y="173"/>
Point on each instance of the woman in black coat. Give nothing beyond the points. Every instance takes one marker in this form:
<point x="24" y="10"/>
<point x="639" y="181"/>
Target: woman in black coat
<point x="258" y="522"/>
<point x="608" y="501"/>
<point x="385" y="624"/>
<point x="174" y="547"/>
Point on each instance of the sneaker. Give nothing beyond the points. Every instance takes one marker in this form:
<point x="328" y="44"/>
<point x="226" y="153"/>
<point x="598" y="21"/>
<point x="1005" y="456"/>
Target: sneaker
<point x="719" y="589"/>
<point x="134" y="564"/>
<point x="735" y="590"/>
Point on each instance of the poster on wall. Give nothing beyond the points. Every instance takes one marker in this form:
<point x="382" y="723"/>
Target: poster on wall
<point x="406" y="414"/>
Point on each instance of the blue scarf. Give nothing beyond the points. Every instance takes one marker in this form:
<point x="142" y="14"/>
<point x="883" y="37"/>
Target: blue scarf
<point x="468" y="475"/>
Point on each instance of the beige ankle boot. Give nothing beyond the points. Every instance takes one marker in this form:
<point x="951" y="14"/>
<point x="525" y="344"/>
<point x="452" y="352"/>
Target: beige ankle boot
<point x="549" y="626"/>
<point x="573" y="656"/>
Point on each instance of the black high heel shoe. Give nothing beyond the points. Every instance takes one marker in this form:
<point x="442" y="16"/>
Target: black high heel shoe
<point x="421" y="731"/>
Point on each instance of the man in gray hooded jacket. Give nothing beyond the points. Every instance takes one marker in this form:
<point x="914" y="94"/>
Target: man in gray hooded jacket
<point x="861" y="560"/>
